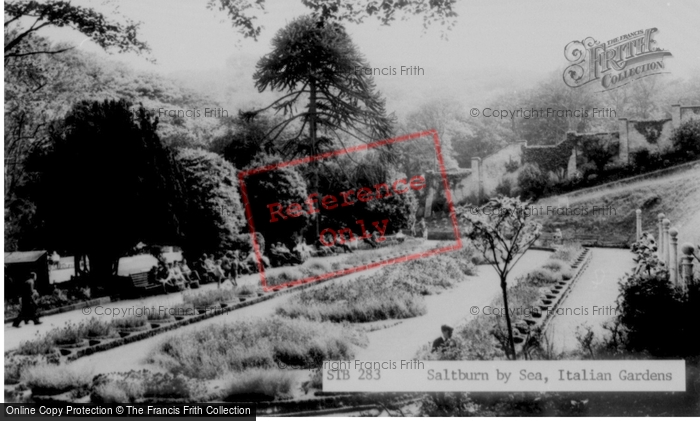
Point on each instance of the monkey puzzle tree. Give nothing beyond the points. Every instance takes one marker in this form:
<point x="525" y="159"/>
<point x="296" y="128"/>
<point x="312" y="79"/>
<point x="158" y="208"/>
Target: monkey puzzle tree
<point x="500" y="230"/>
<point x="315" y="59"/>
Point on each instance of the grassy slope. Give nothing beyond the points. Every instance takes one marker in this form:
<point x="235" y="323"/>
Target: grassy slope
<point x="676" y="195"/>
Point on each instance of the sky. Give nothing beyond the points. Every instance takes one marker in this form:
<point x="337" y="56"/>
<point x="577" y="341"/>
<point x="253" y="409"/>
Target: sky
<point x="495" y="45"/>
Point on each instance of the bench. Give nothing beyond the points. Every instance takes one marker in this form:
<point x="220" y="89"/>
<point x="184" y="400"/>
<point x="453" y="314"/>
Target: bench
<point x="143" y="284"/>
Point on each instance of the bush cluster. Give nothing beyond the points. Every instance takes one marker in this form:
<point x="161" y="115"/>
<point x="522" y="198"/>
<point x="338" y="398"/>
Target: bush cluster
<point x="658" y="318"/>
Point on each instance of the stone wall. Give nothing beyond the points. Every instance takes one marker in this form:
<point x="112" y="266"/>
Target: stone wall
<point x="631" y="136"/>
<point x="688" y="113"/>
<point x="492" y="171"/>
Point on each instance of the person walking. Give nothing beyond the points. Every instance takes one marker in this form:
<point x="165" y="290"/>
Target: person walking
<point x="29" y="306"/>
<point x="55" y="260"/>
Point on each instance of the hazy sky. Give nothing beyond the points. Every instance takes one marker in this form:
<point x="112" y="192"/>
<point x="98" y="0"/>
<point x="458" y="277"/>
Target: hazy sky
<point x="493" y="41"/>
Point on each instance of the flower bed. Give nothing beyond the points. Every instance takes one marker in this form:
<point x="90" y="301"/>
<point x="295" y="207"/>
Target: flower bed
<point x="156" y="318"/>
<point x="531" y="300"/>
<point x="285" y="276"/>
<point x="69" y="336"/>
<point x="365" y="300"/>
<point x="137" y="386"/>
<point x="207" y="299"/>
<point x="95" y="328"/>
<point x="392" y="293"/>
<point x="51" y="379"/>
<point x="215" y="350"/>
<point x="133" y="323"/>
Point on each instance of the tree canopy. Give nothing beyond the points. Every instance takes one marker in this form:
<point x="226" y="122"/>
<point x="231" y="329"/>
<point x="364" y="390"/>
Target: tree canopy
<point x="243" y="13"/>
<point x="317" y="61"/>
<point x="214" y="213"/>
<point x="105" y="32"/>
<point x="104" y="183"/>
<point x="284" y="186"/>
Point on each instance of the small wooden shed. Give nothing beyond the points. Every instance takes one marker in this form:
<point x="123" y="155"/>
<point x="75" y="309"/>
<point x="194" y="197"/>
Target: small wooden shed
<point x="18" y="265"/>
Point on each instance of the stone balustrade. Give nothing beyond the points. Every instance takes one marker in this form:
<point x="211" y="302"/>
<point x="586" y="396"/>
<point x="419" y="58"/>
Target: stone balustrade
<point x="680" y="266"/>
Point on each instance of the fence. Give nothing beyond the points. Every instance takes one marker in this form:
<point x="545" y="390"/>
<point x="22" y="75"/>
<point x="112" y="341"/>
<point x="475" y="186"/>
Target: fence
<point x="680" y="266"/>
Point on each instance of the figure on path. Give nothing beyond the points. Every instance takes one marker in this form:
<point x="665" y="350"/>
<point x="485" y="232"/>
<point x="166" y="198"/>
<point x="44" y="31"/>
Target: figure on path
<point x="29" y="305"/>
<point x="55" y="260"/>
<point x="445" y="341"/>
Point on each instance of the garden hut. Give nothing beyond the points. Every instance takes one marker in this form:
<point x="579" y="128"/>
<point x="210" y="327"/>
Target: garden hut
<point x="18" y="265"/>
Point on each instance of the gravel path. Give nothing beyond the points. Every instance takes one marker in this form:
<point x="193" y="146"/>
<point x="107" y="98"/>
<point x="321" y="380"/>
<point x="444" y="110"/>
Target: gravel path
<point x="450" y="307"/>
<point x="133" y="356"/>
<point x="14" y="336"/>
<point x="592" y="301"/>
<point x="397" y="342"/>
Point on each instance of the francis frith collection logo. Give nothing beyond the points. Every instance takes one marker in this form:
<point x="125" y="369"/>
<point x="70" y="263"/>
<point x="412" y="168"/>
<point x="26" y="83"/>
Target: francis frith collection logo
<point x="616" y="62"/>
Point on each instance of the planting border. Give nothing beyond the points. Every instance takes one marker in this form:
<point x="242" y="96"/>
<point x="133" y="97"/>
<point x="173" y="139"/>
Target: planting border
<point x="550" y="313"/>
<point x="570" y="285"/>
<point x="137" y="336"/>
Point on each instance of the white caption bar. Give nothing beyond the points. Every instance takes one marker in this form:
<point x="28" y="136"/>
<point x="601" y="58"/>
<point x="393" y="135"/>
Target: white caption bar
<point x="504" y="376"/>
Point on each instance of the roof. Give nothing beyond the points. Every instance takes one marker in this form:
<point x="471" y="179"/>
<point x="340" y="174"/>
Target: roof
<point x="23" y="256"/>
<point x="143" y="262"/>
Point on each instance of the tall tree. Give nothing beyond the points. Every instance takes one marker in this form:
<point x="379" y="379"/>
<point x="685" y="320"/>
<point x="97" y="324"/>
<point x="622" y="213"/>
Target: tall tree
<point x="38" y="88"/>
<point x="104" y="183"/>
<point x="315" y="59"/>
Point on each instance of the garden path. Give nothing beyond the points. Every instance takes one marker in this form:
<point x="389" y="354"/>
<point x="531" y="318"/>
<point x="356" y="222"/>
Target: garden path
<point x="397" y="342"/>
<point x="451" y="307"/>
<point x="448" y="307"/>
<point x="133" y="356"/>
<point x="14" y="336"/>
<point x="592" y="297"/>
